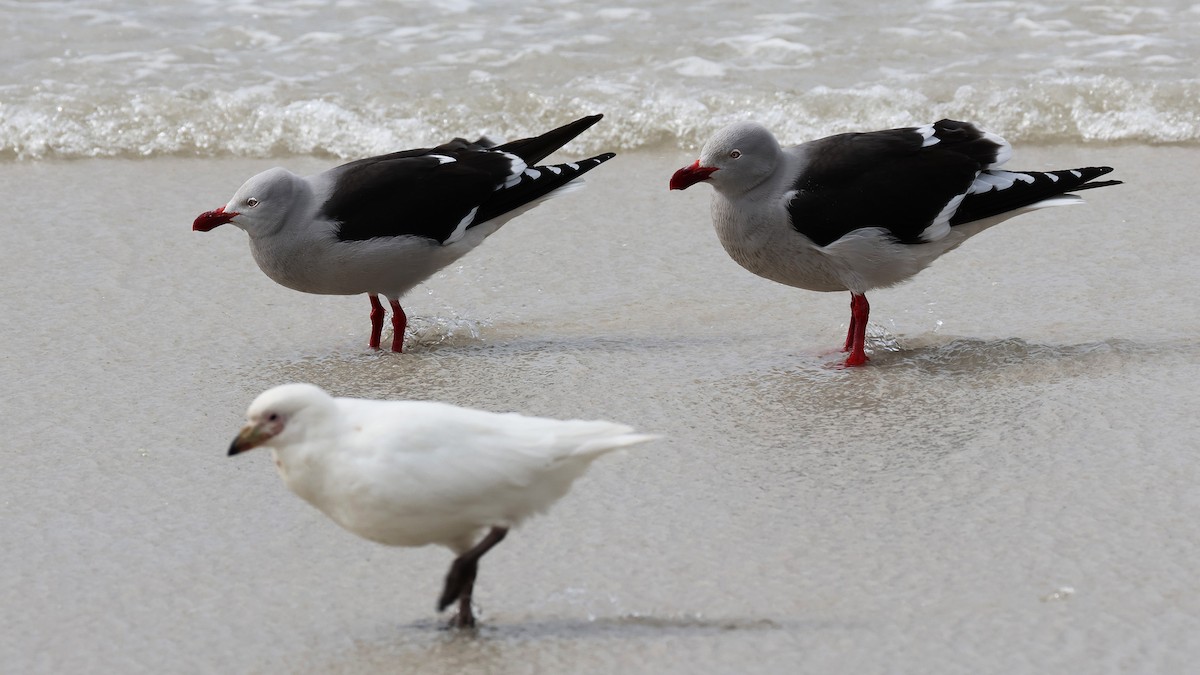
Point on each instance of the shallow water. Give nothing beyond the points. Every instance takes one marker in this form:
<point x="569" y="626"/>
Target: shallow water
<point x="93" y="78"/>
<point x="1010" y="487"/>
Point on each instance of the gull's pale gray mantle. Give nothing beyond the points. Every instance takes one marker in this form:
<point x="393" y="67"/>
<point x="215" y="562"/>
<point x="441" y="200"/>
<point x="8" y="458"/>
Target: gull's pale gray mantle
<point x="859" y="211"/>
<point x="384" y="224"/>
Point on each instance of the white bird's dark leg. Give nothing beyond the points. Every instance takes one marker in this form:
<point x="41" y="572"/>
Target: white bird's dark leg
<point x="399" y="324"/>
<point x="857" y="339"/>
<point x="376" y="320"/>
<point x="460" y="580"/>
<point x="465" y="618"/>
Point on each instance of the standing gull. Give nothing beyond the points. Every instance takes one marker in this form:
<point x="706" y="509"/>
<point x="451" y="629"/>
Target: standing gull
<point x="860" y="211"/>
<point x="384" y="224"/>
<point x="412" y="473"/>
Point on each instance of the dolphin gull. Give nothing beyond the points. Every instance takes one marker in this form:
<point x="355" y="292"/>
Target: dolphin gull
<point x="860" y="211"/>
<point x="384" y="224"/>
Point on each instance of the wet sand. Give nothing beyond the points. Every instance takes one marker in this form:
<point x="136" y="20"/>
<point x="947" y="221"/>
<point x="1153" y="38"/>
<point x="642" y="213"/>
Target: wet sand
<point x="1010" y="487"/>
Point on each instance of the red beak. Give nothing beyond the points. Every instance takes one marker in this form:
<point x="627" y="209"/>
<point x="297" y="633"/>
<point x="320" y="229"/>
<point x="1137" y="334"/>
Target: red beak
<point x="210" y="219"/>
<point x="690" y="175"/>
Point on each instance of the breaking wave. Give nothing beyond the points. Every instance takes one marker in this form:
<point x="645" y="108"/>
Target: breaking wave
<point x="263" y="121"/>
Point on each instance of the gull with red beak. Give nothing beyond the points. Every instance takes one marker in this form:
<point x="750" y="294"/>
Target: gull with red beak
<point x="413" y="473"/>
<point x="860" y="211"/>
<point x="384" y="224"/>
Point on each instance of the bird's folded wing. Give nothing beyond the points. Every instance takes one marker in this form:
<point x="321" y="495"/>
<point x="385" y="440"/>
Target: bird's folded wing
<point x="907" y="181"/>
<point x="431" y="195"/>
<point x="445" y="457"/>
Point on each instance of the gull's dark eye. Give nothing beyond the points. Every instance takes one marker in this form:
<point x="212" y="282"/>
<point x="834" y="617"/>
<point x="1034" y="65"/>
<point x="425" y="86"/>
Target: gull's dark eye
<point x="273" y="417"/>
<point x="252" y="202"/>
<point x="735" y="154"/>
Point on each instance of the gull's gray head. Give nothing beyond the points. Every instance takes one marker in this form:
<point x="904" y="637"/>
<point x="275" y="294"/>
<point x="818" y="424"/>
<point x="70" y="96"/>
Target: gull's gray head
<point x="260" y="206"/>
<point x="282" y="415"/>
<point x="737" y="158"/>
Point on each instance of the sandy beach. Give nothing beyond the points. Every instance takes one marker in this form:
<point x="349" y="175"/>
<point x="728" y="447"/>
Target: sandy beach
<point x="1011" y="486"/>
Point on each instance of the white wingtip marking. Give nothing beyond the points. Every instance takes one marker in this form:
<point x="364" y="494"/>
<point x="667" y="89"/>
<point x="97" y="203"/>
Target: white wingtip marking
<point x="1077" y="174"/>
<point x="1003" y="154"/>
<point x="927" y="134"/>
<point x="940" y="227"/>
<point x="461" y="228"/>
<point x="515" y="171"/>
<point x="997" y="180"/>
<point x="443" y="159"/>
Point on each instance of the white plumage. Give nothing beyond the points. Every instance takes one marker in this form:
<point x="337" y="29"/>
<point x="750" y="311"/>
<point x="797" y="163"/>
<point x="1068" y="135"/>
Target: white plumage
<point x="412" y="473"/>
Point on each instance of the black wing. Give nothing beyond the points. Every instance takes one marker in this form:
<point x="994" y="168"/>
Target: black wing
<point x="436" y="192"/>
<point x="899" y="179"/>
<point x="534" y="150"/>
<point x="997" y="192"/>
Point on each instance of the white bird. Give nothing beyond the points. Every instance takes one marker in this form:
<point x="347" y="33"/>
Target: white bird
<point x="384" y="224"/>
<point x="412" y="473"/>
<point x="859" y="211"/>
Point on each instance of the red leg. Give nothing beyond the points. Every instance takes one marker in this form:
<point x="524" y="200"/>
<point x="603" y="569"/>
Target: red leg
<point x="376" y="320"/>
<point x="859" y="310"/>
<point x="399" y="323"/>
<point x="850" y="330"/>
